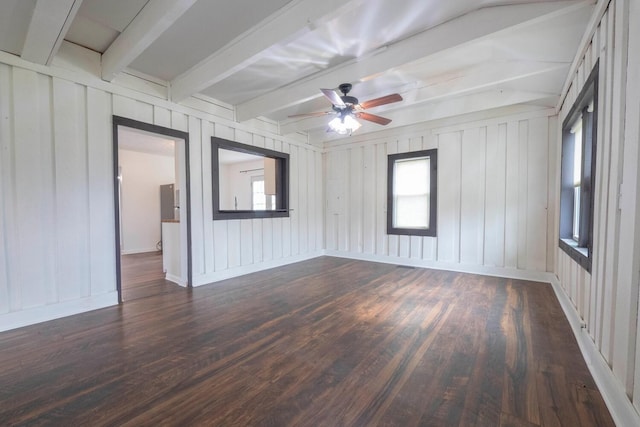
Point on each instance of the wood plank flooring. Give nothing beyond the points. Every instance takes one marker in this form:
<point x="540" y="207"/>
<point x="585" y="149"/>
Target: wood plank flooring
<point x="325" y="342"/>
<point x="142" y="276"/>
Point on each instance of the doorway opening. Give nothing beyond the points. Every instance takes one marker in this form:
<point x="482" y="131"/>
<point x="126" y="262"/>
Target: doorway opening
<point x="152" y="200"/>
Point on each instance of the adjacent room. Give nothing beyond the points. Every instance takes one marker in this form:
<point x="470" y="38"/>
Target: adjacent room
<point x="291" y="212"/>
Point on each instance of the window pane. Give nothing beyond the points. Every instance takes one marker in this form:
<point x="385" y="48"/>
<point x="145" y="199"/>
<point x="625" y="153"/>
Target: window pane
<point x="257" y="194"/>
<point x="411" y="211"/>
<point x="411" y="177"/>
<point x="577" y="152"/>
<point x="576" y="213"/>
<point x="411" y="193"/>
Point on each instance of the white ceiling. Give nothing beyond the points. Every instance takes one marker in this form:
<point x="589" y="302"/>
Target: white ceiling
<point x="268" y="58"/>
<point x="144" y="142"/>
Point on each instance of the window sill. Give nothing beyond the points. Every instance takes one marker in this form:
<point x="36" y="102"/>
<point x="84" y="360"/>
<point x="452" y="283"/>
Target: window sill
<point x="578" y="254"/>
<point x="425" y="232"/>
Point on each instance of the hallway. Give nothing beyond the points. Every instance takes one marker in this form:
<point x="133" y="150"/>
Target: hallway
<point x="142" y="276"/>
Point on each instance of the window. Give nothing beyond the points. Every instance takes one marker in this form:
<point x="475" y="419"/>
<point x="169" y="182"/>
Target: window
<point x="259" y="200"/>
<point x="248" y="181"/>
<point x="411" y="193"/>
<point x="577" y="180"/>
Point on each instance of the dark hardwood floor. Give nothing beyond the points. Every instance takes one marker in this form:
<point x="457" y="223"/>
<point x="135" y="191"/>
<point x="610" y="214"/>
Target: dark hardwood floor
<point x="325" y="342"/>
<point x="142" y="276"/>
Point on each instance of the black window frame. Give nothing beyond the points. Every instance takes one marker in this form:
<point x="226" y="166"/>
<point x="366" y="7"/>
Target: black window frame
<point x="581" y="250"/>
<point x="282" y="181"/>
<point x="431" y="231"/>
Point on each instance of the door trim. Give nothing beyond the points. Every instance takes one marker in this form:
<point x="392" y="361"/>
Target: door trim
<point x="160" y="130"/>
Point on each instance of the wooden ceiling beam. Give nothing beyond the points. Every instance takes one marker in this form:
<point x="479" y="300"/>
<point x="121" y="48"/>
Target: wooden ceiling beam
<point x="49" y="24"/>
<point x="472" y="27"/>
<point x="146" y="27"/>
<point x="286" y="24"/>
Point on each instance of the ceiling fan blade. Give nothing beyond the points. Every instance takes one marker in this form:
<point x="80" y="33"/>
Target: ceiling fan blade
<point x="373" y="118"/>
<point x="380" y="101"/>
<point x="316" y="114"/>
<point x="333" y="96"/>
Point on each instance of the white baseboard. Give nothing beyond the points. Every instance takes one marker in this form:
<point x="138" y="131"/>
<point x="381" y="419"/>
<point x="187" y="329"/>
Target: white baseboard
<point x="510" y="273"/>
<point x="138" y="251"/>
<point x="612" y="390"/>
<point x="176" y="279"/>
<point x="253" y="268"/>
<point x="45" y="313"/>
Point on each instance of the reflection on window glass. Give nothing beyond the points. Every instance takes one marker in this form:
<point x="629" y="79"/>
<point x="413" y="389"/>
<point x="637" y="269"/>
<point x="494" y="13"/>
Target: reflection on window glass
<point x="576" y="130"/>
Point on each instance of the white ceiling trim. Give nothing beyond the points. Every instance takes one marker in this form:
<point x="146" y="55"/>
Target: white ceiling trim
<point x="49" y="24"/>
<point x="293" y="20"/>
<point x="146" y="27"/>
<point x="469" y="28"/>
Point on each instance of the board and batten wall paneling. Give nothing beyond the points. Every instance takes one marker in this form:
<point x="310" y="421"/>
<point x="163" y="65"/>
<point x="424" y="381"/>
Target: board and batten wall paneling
<point x="492" y="197"/>
<point x="34" y="182"/>
<point x="606" y="300"/>
<point x="100" y="170"/>
<point x="224" y="249"/>
<point x="449" y="194"/>
<point x="71" y="189"/>
<point x="56" y="195"/>
<point x="630" y="220"/>
<point x="495" y="190"/>
<point x="56" y="198"/>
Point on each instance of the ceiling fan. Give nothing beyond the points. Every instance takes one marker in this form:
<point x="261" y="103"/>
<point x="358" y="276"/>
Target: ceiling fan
<point x="347" y="108"/>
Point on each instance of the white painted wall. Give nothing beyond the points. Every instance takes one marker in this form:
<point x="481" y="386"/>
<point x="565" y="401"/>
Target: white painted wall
<point x="235" y="183"/>
<point x="56" y="198"/>
<point x="56" y="159"/>
<point x="497" y="193"/>
<point x="493" y="192"/>
<point x="142" y="176"/>
<point x="606" y="300"/>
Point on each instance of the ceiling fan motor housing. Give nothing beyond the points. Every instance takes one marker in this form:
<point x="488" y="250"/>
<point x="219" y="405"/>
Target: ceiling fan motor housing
<point x="345" y="88"/>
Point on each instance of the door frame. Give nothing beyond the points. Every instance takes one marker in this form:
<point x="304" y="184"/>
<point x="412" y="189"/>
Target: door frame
<point x="161" y="131"/>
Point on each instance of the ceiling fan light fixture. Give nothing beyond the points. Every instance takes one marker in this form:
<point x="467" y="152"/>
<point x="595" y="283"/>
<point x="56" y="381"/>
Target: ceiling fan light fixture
<point x="344" y="125"/>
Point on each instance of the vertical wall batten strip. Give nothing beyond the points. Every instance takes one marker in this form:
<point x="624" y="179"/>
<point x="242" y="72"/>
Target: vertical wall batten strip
<point x="287" y="228"/>
<point x="392" y="240"/>
<point x="369" y="192"/>
<point x="482" y="199"/>
<point x="523" y="193"/>
<point x="382" y="240"/>
<point x="6" y="185"/>
<point x="512" y="179"/>
<point x="207" y="201"/>
<point x="294" y="199"/>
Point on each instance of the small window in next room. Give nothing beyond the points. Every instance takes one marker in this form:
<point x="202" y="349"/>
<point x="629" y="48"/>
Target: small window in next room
<point x="259" y="200"/>
<point x="411" y="193"/>
<point x="579" y="132"/>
